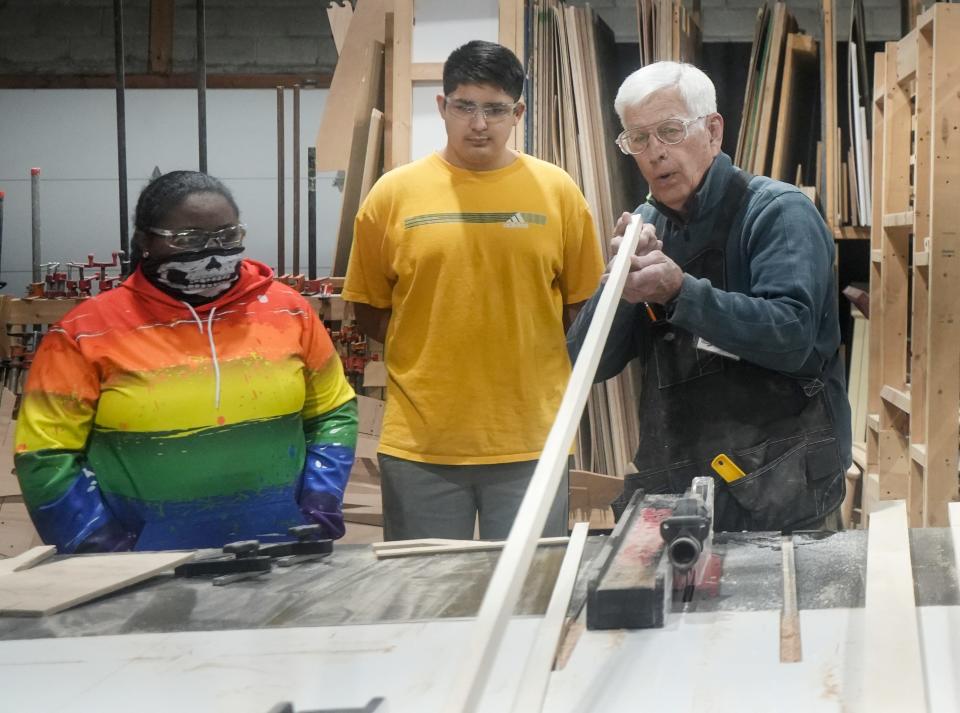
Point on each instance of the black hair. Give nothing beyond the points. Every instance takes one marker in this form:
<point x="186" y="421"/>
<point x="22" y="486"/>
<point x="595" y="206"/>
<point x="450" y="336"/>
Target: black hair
<point x="479" y="62"/>
<point x="166" y="192"/>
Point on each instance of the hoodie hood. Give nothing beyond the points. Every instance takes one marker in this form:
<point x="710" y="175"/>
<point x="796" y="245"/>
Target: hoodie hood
<point x="254" y="277"/>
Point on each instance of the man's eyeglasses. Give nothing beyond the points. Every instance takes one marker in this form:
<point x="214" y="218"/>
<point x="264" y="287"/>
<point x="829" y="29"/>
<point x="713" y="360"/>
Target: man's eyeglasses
<point x="671" y="131"/>
<point x="229" y="236"/>
<point x="491" y="113"/>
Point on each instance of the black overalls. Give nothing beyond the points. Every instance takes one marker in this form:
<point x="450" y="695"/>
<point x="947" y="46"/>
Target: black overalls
<point x="696" y="404"/>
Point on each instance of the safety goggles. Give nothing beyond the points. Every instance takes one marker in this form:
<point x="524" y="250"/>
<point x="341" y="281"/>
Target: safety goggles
<point x="491" y="113"/>
<point x="229" y="236"/>
<point x="671" y="131"/>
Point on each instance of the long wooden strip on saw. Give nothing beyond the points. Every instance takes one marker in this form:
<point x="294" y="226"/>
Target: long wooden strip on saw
<point x="54" y="587"/>
<point x="455" y="546"/>
<point x="513" y="565"/>
<point x="536" y="673"/>
<point x="892" y="659"/>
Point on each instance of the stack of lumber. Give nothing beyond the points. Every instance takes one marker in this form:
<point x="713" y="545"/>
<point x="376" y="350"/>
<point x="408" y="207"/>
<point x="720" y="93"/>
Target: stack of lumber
<point x="859" y="202"/>
<point x="668" y="31"/>
<point x="780" y="101"/>
<point x="573" y="125"/>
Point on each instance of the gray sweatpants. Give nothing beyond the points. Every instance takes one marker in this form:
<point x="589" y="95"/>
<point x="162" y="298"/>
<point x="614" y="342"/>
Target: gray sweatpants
<point x="426" y="500"/>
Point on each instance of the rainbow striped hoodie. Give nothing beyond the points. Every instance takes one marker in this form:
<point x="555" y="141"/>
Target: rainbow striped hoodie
<point x="149" y="424"/>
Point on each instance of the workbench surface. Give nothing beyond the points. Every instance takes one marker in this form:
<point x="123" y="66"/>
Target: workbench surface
<point x="339" y="632"/>
<point x="353" y="587"/>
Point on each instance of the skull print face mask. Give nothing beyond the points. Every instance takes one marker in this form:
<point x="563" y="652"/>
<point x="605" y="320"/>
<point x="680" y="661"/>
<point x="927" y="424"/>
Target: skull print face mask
<point x="195" y="277"/>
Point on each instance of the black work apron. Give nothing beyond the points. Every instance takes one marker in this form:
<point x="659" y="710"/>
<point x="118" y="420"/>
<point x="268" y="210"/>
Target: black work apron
<point x="696" y="404"/>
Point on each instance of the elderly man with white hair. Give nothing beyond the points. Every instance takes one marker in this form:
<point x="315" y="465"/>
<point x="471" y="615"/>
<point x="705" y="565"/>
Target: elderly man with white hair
<point x="731" y="308"/>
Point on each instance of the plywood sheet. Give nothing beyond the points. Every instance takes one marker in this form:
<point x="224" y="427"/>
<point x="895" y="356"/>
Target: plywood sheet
<point x="53" y="587"/>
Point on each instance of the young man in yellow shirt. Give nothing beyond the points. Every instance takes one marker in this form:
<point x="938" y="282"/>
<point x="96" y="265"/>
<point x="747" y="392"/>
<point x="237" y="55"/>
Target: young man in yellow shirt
<point x="468" y="264"/>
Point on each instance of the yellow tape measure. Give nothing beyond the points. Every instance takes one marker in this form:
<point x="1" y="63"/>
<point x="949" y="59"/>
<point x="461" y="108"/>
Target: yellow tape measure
<point x="726" y="468"/>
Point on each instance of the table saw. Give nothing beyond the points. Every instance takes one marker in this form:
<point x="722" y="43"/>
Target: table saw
<point x="335" y="633"/>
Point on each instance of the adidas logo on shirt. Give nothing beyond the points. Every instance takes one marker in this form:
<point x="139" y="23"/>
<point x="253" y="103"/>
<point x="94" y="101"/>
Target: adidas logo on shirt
<point x="516" y="221"/>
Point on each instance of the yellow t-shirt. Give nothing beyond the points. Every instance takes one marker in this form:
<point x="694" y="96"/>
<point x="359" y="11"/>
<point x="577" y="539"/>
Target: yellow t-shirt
<point x="476" y="266"/>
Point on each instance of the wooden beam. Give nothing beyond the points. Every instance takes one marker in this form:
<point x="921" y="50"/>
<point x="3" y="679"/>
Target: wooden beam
<point x="161" y="36"/>
<point x="318" y="80"/>
<point x="892" y="659"/>
<point x="426" y="72"/>
<point x="831" y="150"/>
<point x="512" y="567"/>
<point x="401" y="121"/>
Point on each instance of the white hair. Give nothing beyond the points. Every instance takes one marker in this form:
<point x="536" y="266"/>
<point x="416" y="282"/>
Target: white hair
<point x="695" y="87"/>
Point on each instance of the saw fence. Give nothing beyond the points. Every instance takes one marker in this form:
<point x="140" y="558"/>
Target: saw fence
<point x="914" y="379"/>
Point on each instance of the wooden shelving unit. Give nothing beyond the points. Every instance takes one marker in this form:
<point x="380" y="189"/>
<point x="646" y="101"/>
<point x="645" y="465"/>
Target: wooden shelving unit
<point x="914" y="377"/>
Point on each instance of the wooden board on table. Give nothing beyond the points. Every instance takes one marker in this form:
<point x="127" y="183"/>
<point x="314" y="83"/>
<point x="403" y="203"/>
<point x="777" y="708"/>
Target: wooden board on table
<point x="53" y="587"/>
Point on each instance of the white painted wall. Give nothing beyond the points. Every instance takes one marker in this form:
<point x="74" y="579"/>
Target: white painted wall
<point x="71" y="136"/>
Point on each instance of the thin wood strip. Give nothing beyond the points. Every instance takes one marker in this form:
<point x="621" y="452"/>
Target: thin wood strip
<point x="536" y="672"/>
<point x="456" y="547"/>
<point x="790" y="646"/>
<point x="831" y="187"/>
<point x="892" y="659"/>
<point x="504" y="588"/>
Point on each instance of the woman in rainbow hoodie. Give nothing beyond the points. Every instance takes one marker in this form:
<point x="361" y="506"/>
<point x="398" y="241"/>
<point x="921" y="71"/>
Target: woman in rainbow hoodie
<point x="197" y="404"/>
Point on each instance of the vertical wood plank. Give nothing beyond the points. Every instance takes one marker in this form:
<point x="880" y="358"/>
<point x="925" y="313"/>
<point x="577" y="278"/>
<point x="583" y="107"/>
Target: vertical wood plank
<point x="402" y="86"/>
<point x="943" y="349"/>
<point x="161" y="36"/>
<point x="876" y="240"/>
<point x="894" y="460"/>
<point x="831" y="187"/>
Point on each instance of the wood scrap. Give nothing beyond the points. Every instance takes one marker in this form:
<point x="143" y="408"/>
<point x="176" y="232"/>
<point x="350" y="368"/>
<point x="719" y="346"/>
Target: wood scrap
<point x="26" y="560"/>
<point x="60" y="585"/>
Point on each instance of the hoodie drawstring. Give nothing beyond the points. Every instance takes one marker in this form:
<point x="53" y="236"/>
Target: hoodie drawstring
<point x="213" y="348"/>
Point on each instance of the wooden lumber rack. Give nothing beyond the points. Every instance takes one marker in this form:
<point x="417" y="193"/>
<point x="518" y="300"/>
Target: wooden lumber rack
<point x="914" y="380"/>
